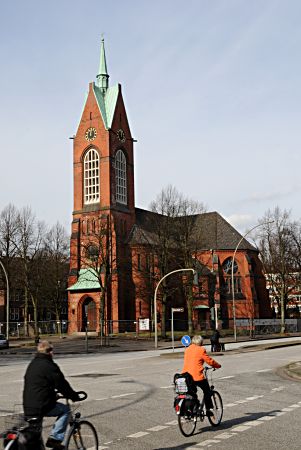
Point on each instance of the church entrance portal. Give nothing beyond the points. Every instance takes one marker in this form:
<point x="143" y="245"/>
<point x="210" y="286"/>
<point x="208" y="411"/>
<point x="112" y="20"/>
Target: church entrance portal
<point x="88" y="315"/>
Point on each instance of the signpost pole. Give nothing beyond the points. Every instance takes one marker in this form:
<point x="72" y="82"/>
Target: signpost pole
<point x="172" y="333"/>
<point x="172" y="326"/>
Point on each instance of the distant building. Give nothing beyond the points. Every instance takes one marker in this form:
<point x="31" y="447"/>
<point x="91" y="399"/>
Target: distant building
<point x="104" y="186"/>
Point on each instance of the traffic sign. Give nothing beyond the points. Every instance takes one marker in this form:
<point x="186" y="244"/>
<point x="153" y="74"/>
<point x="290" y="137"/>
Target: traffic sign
<point x="186" y="341"/>
<point x="178" y="309"/>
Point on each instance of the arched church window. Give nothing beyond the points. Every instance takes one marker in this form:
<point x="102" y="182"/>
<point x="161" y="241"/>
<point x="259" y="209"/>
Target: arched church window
<point x="91" y="177"/>
<point x="120" y="176"/>
<point x="227" y="269"/>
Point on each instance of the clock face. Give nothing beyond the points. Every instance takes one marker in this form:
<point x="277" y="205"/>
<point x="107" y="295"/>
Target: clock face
<point x="227" y="266"/>
<point x="91" y="134"/>
<point x="121" y="135"/>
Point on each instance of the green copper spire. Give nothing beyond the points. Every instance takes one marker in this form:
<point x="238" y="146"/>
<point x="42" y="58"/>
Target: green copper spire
<point x="103" y="77"/>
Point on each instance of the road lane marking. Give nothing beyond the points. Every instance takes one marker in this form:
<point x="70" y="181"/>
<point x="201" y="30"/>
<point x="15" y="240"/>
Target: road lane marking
<point x="267" y="418"/>
<point x="208" y="441"/>
<point x="253" y="423"/>
<point x="225" y="435"/>
<point x="138" y="435"/>
<point x="229" y="405"/>
<point x="123" y="395"/>
<point x="295" y="406"/>
<point x="286" y="409"/>
<point x="240" y="428"/>
<point x="226" y="378"/>
<point x="280" y="388"/>
<point x="166" y="387"/>
<point x="157" y="428"/>
<point x="173" y="422"/>
<point x="263" y="370"/>
<point x="102" y="398"/>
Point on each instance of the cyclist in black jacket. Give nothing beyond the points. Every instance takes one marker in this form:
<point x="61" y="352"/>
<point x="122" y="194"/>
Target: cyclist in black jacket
<point x="43" y="380"/>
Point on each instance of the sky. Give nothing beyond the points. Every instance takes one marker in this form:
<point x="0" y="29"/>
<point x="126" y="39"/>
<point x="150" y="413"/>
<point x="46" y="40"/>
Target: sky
<point x="211" y="88"/>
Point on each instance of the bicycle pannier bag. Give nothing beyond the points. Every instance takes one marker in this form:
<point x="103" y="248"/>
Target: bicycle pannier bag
<point x="184" y="383"/>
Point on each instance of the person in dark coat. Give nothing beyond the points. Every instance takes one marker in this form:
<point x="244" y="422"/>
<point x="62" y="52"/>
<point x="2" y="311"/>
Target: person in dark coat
<point x="43" y="380"/>
<point x="215" y="344"/>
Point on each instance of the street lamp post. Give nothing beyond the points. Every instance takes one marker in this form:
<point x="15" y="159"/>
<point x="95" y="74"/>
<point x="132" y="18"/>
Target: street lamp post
<point x="7" y="300"/>
<point x="155" y="299"/>
<point x="232" y="274"/>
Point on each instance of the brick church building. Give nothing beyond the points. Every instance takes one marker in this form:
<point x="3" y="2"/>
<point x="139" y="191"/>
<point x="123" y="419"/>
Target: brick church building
<point x="114" y="267"/>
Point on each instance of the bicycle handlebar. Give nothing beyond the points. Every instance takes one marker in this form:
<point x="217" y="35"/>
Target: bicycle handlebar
<point x="82" y="396"/>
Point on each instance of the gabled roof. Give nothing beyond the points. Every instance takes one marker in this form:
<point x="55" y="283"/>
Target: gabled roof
<point x="87" y="279"/>
<point x="106" y="103"/>
<point x="211" y="230"/>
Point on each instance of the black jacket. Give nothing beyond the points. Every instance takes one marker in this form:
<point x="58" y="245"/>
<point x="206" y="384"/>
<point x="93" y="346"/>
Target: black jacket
<point x="42" y="379"/>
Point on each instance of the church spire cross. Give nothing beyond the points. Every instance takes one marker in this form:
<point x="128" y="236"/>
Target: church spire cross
<point x="103" y="77"/>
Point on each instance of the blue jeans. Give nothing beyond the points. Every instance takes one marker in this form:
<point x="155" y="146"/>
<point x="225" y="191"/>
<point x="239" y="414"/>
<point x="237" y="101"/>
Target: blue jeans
<point x="62" y="412"/>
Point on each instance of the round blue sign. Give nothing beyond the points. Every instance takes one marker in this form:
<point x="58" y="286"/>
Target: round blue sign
<point x="186" y="340"/>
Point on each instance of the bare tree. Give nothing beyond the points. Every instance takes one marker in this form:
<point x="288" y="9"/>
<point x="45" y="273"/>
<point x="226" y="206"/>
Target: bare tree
<point x="177" y="242"/>
<point x="56" y="254"/>
<point x="277" y="247"/>
<point x="188" y="238"/>
<point x="166" y="208"/>
<point x="97" y="256"/>
<point x="29" y="243"/>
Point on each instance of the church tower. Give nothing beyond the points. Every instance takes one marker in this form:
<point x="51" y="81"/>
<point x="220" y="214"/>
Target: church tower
<point x="104" y="206"/>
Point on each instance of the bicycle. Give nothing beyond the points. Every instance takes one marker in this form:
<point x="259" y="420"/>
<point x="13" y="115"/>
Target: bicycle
<point x="81" y="434"/>
<point x="189" y="409"/>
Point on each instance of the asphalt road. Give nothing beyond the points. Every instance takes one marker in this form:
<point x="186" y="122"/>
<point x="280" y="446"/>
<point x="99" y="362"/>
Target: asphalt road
<point x="131" y="399"/>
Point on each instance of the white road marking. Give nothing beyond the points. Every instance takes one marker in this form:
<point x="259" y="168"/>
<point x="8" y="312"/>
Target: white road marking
<point x="286" y="409"/>
<point x="241" y="428"/>
<point x="225" y="435"/>
<point x="138" y="435"/>
<point x="295" y="406"/>
<point x="173" y="422"/>
<point x="253" y="423"/>
<point x="226" y="378"/>
<point x="123" y="395"/>
<point x="229" y="405"/>
<point x="157" y="428"/>
<point x="166" y="387"/>
<point x="267" y="418"/>
<point x="121" y="368"/>
<point x="242" y="401"/>
<point x="280" y="388"/>
<point x="278" y="413"/>
<point x="102" y="398"/>
<point x="263" y="370"/>
<point x="208" y="441"/>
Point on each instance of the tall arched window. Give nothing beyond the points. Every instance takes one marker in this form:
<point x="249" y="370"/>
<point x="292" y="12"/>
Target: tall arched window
<point x="91" y="177"/>
<point x="120" y="175"/>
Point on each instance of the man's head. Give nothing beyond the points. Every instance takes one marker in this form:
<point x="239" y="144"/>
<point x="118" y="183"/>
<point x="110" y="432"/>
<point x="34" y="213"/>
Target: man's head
<point x="45" y="347"/>
<point x="197" y="340"/>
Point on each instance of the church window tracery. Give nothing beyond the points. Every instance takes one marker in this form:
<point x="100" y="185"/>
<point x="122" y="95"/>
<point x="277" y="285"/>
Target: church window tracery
<point x="91" y="177"/>
<point x="120" y="175"/>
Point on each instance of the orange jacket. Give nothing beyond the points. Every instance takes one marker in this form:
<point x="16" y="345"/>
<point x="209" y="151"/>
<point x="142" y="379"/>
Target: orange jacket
<point x="194" y="358"/>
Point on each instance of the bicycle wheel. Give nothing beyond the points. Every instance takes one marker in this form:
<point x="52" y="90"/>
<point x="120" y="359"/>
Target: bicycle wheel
<point x="187" y="424"/>
<point x="83" y="437"/>
<point x="218" y="409"/>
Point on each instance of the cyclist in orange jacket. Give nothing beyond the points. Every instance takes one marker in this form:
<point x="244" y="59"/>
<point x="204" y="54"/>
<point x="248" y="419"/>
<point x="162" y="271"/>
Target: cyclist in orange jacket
<point x="194" y="357"/>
